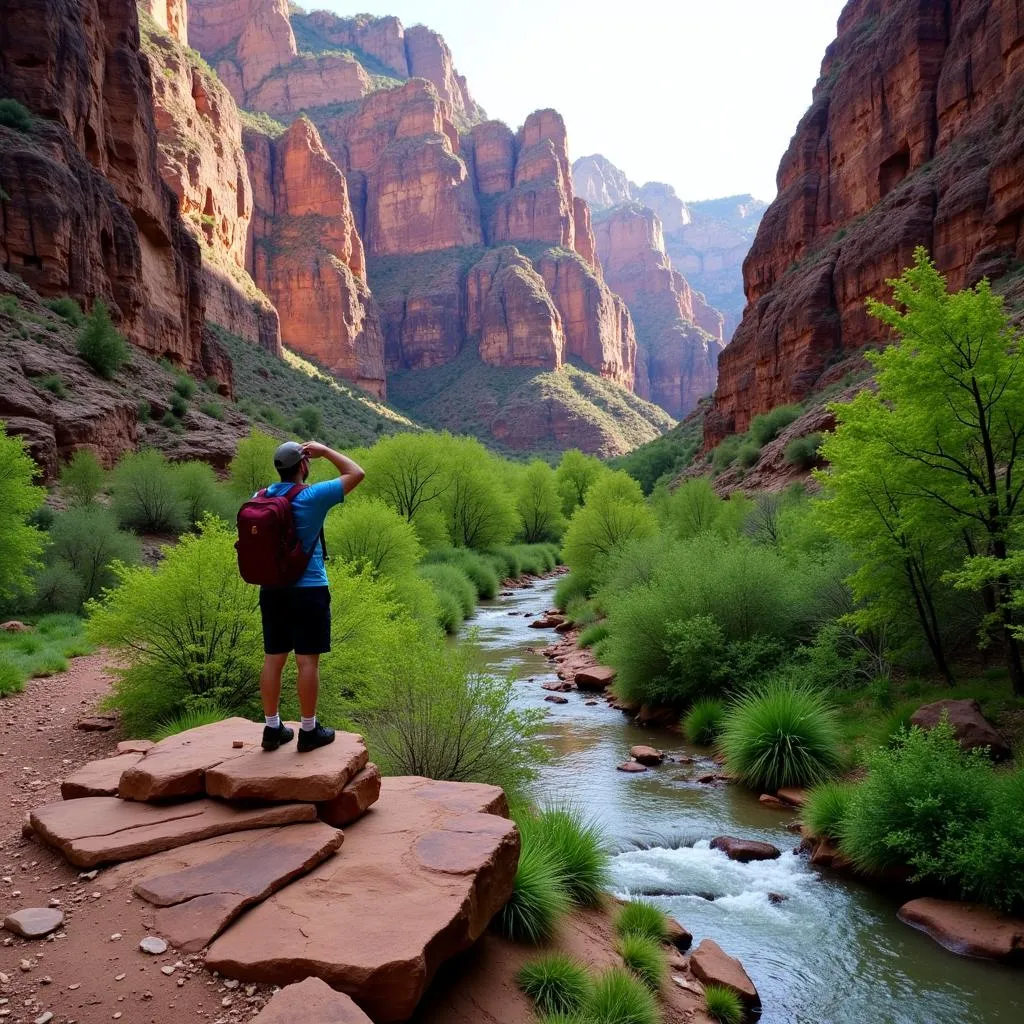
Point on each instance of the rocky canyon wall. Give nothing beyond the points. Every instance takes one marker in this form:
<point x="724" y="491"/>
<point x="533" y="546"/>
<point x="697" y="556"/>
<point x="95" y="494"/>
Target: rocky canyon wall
<point x="915" y="136"/>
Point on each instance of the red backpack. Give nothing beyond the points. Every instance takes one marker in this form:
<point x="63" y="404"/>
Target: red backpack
<point x="270" y="553"/>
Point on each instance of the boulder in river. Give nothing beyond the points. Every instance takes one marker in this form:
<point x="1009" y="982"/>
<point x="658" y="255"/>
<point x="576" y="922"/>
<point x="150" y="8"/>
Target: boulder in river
<point x="795" y="796"/>
<point x="562" y="686"/>
<point x="968" y="929"/>
<point x="711" y="965"/>
<point x="631" y="766"/>
<point x="745" y="850"/>
<point x="767" y="800"/>
<point x="554" y="698"/>
<point x="649" y="756"/>
<point x="970" y="726"/>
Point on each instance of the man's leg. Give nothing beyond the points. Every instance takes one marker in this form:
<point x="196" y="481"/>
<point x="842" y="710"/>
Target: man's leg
<point x="312" y="638"/>
<point x="308" y="683"/>
<point x="270" y="682"/>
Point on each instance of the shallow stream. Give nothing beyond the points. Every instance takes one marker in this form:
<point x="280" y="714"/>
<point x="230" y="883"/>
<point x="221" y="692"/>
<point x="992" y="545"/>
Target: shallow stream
<point x="831" y="952"/>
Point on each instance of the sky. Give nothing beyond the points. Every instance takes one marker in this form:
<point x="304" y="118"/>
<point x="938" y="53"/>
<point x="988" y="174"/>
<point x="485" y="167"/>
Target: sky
<point x="702" y="94"/>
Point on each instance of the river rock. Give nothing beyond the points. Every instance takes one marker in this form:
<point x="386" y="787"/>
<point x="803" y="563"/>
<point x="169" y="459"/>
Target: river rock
<point x="197" y="902"/>
<point x="100" y="830"/>
<point x="745" y="850"/>
<point x="970" y="726"/>
<point x="360" y="793"/>
<point x="646" y="755"/>
<point x="564" y="627"/>
<point x="560" y="687"/>
<point x="15" y="626"/>
<point x="631" y="766"/>
<point x="34" y="922"/>
<point x="554" y="698"/>
<point x="286" y="776"/>
<point x="547" y="622"/>
<point x="826" y="854"/>
<point x="311" y="1002"/>
<point x="418" y="882"/>
<point x="676" y="934"/>
<point x="98" y="778"/>
<point x="657" y="716"/>
<point x="794" y="796"/>
<point x="596" y="678"/>
<point x="967" y="929"/>
<point x="711" y="965"/>
<point x="767" y="800"/>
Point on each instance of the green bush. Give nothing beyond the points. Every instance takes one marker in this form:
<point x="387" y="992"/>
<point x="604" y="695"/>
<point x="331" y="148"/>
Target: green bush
<point x="179" y="406"/>
<point x="703" y="721"/>
<point x="827" y="807"/>
<point x="145" y="494"/>
<point x="476" y="566"/>
<point x="536" y="559"/>
<point x="196" y="716"/>
<point x="556" y="983"/>
<point x="199" y="492"/>
<point x="81" y="478"/>
<point x="638" y="917"/>
<point x="802" y="452"/>
<point x="184" y="385"/>
<point x="723" y="1004"/>
<point x="20" y="542"/>
<point x="538" y="900"/>
<point x="569" y="587"/>
<point x="769" y="425"/>
<point x="618" y="998"/>
<point x="748" y="454"/>
<point x="212" y="385"/>
<point x="645" y="959"/>
<point x="308" y="422"/>
<point x="593" y="634"/>
<point x="451" y="580"/>
<point x="169" y="420"/>
<point x="539" y="503"/>
<point x="12" y="676"/>
<point x="53" y="383"/>
<point x="373" y="534"/>
<point x="56" y="588"/>
<point x="507" y="560"/>
<point x="85" y="544"/>
<point x="252" y="468"/>
<point x="578" y="847"/>
<point x="212" y="409"/>
<point x="724" y="454"/>
<point x="581" y="612"/>
<point x="100" y="344"/>
<point x="15" y="116"/>
<point x="780" y="735"/>
<point x="449" y="609"/>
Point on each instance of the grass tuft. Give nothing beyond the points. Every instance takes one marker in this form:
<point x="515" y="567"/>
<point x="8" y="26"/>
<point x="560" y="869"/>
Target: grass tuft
<point x="639" y="917"/>
<point x="618" y="998"/>
<point x="703" y="722"/>
<point x="645" y="958"/>
<point x="556" y="983"/>
<point x="723" y="1004"/>
<point x="193" y="718"/>
<point x="538" y="898"/>
<point x="827" y="807"/>
<point x="578" y="848"/>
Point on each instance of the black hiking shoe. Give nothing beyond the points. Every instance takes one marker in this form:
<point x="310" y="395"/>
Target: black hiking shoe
<point x="273" y="738"/>
<point x="310" y="739"/>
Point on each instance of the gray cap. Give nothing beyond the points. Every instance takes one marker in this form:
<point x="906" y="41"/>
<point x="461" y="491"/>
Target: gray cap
<point x="288" y="455"/>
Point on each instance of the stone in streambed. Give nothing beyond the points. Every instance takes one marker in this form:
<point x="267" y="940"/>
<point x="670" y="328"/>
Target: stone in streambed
<point x="794" y="796"/>
<point x="967" y="929"/>
<point x="745" y="850"/>
<point x="564" y="627"/>
<point x="633" y="767"/>
<point x="557" y="687"/>
<point x="773" y="801"/>
<point x="647" y="755"/>
<point x="98" y="778"/>
<point x="361" y="792"/>
<point x="595" y="678"/>
<point x="711" y="965"/>
<point x="34" y="922"/>
<point x="554" y="698"/>
<point x="677" y="935"/>
<point x="311" y="1002"/>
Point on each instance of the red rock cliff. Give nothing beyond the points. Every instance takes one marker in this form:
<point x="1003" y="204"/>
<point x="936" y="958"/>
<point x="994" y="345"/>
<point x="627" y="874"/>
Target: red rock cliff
<point x="88" y="213"/>
<point x="915" y="137"/>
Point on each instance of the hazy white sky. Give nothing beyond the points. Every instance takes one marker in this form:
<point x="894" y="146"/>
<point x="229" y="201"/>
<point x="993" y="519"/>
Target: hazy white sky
<point x="703" y="94"/>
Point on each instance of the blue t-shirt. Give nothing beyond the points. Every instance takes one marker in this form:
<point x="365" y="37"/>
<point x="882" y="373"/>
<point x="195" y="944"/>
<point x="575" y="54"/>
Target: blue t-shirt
<point x="309" y="510"/>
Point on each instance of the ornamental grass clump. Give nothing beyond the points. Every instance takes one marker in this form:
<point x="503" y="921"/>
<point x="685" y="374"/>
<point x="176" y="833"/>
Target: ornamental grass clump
<point x="578" y="847"/>
<point x="644" y="958"/>
<point x="703" y="722"/>
<point x="638" y="917"/>
<point x="723" y="1004"/>
<point x="556" y="983"/>
<point x="780" y="735"/>
<point x="538" y="898"/>
<point x="618" y="998"/>
<point x="827" y="807"/>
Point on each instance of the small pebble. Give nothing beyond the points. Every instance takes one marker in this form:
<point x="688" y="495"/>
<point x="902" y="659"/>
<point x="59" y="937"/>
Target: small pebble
<point x="115" y="937"/>
<point x="117" y="1016"/>
<point x="46" y="980"/>
<point x="181" y="983"/>
<point x="232" y="983"/>
<point x="26" y="965"/>
<point x="74" y="988"/>
<point x="153" y="945"/>
<point x="237" y="744"/>
<point x="226" y="1001"/>
<point x="167" y="970"/>
<point x="43" y="1018"/>
<point x="120" y="977"/>
<point x="88" y="876"/>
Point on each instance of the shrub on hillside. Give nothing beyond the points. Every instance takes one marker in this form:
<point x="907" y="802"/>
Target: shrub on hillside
<point x="15" y="115"/>
<point x="645" y="959"/>
<point x="252" y="468"/>
<point x="723" y="455"/>
<point x="145" y="494"/>
<point x="20" y="542"/>
<point x="200" y="493"/>
<point x="85" y="542"/>
<point x="769" y="425"/>
<point x="370" y="533"/>
<point x="556" y="983"/>
<point x="81" y="478"/>
<point x="780" y="735"/>
<point x="747" y="454"/>
<point x="184" y="385"/>
<point x="593" y="634"/>
<point x="569" y="587"/>
<point x="703" y="722"/>
<point x="100" y="344"/>
<point x="802" y="452"/>
<point x="638" y="917"/>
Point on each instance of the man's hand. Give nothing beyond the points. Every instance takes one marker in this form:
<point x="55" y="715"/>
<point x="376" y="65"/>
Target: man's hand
<point x="315" y="450"/>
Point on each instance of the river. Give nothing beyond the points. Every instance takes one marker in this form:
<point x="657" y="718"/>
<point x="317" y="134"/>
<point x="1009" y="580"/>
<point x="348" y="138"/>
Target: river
<point x="831" y="952"/>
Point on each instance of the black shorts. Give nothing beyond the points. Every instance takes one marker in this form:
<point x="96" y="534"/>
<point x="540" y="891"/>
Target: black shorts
<point x="296" y="619"/>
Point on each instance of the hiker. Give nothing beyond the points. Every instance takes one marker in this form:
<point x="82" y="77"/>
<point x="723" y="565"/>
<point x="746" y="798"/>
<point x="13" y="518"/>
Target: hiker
<point x="281" y="547"/>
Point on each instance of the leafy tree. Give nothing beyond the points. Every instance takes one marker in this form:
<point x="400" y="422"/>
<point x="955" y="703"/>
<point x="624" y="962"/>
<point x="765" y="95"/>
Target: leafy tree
<point x="576" y="473"/>
<point x="82" y="477"/>
<point x="947" y="421"/>
<point x="145" y="494"/>
<point x="253" y="464"/>
<point x="539" y="503"/>
<point x="199" y="491"/>
<point x="85" y="543"/>
<point x="371" y="533"/>
<point x="20" y="543"/>
<point x="479" y="511"/>
<point x="407" y="471"/>
<point x="100" y="343"/>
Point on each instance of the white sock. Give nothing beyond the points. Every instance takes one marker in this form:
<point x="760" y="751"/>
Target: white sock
<point x="308" y="724"/>
<point x="273" y="721"/>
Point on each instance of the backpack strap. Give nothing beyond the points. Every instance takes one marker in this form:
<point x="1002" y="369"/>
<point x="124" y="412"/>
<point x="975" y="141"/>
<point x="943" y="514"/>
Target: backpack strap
<point x="290" y="495"/>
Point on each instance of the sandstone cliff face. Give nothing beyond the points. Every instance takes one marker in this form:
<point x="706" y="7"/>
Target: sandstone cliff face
<point x="89" y="215"/>
<point x="171" y="16"/>
<point x="915" y="137"/>
<point x="306" y="254"/>
<point x="680" y="336"/>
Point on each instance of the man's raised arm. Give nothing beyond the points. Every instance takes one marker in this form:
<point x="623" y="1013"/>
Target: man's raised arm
<point x="351" y="472"/>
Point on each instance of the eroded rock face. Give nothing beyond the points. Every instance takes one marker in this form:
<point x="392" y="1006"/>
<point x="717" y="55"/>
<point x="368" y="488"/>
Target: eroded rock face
<point x="448" y="864"/>
<point x="171" y="16"/>
<point x="864" y="182"/>
<point x="429" y="57"/>
<point x="89" y="215"/>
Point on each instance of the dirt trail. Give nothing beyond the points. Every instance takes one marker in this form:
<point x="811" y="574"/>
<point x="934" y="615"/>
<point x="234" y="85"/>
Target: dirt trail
<point x="84" y="975"/>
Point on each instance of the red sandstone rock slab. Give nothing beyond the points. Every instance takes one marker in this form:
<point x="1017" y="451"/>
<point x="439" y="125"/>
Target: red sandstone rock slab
<point x="286" y="776"/>
<point x="633" y="767"/>
<point x="97" y="778"/>
<point x="767" y="800"/>
<point x="968" y="929"/>
<point x="597" y="677"/>
<point x="176" y="766"/>
<point x="711" y="965"/>
<point x="198" y="901"/>
<point x="135" y="746"/>
<point x="745" y="850"/>
<point x="649" y="756"/>
<point x="311" y="1002"/>
<point x="359" y="794"/>
<point x="100" y="830"/>
<point x="795" y="796"/>
<point x="418" y="882"/>
<point x="970" y="726"/>
<point x="97" y="723"/>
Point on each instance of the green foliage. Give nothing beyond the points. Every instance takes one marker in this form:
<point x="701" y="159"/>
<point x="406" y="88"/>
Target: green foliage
<point x="196" y="716"/>
<point x="187" y="632"/>
<point x="212" y="409"/>
<point x="618" y="998"/>
<point x="81" y="478"/>
<point x="477" y="567"/>
<point x="723" y="1004"/>
<point x="308" y="422"/>
<point x="575" y="474"/>
<point x="53" y="383"/>
<point x="638" y="917"/>
<point x="538" y="898"/>
<point x="199" y="492"/>
<point x="85" y="545"/>
<point x="802" y="452"/>
<point x="593" y="634"/>
<point x="665" y="457"/>
<point x="644" y="958"/>
<point x="570" y="587"/>
<point x="578" y="847"/>
<point x="20" y="543"/>
<point x="827" y="807"/>
<point x="252" y="468"/>
<point x="12" y="678"/>
<point x="477" y="510"/>
<point x="100" y="344"/>
<point x="179" y="406"/>
<point x="556" y="983"/>
<point x="184" y="385"/>
<point x="42" y="652"/>
<point x="539" y="503"/>
<point x="782" y="734"/>
<point x="145" y="494"/>
<point x="747" y="454"/>
<point x="704" y="720"/>
<point x="370" y="533"/>
<point x="450" y="582"/>
<point x="15" y="116"/>
<point x="769" y="425"/>
<point x="724" y="454"/>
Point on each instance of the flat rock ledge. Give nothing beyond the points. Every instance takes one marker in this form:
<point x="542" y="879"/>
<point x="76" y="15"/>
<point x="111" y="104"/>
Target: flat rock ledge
<point x="311" y="1002"/>
<point x="98" y="778"/>
<point x="967" y="929"/>
<point x="431" y="853"/>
